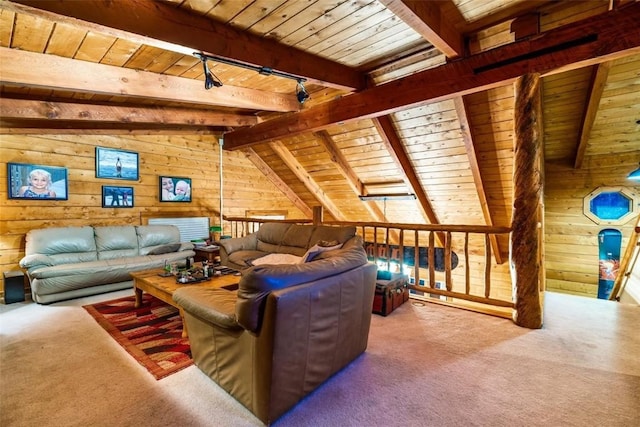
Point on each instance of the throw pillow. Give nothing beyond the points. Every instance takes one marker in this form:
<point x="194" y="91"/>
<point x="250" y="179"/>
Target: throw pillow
<point x="318" y="248"/>
<point x="165" y="249"/>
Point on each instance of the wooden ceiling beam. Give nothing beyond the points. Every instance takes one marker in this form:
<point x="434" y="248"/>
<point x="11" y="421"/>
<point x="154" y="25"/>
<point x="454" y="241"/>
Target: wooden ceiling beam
<point x="9" y="128"/>
<point x="21" y="68"/>
<point x="594" y="40"/>
<point x="166" y="27"/>
<point x="426" y="18"/>
<point x="599" y="76"/>
<point x="300" y="172"/>
<point x="278" y="182"/>
<point x="394" y="146"/>
<point x="67" y="111"/>
<point x="349" y="174"/>
<point x="466" y="129"/>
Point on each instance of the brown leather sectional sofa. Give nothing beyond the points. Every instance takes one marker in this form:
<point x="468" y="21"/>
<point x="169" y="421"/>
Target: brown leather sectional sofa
<point x="286" y="330"/>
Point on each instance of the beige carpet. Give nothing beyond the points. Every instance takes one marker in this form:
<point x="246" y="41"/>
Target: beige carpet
<point x="426" y="365"/>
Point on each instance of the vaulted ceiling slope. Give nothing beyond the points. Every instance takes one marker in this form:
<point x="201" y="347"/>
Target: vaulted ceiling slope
<point x="405" y="96"/>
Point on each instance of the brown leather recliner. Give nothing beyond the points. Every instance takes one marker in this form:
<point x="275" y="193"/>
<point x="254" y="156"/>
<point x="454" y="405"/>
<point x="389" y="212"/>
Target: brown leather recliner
<point x="286" y="330"/>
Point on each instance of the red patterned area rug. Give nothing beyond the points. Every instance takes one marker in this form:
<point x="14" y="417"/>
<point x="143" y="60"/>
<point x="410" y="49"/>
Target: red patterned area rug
<point x="152" y="334"/>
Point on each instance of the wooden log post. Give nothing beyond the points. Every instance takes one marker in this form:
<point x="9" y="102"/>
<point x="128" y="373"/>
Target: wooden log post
<point x="527" y="187"/>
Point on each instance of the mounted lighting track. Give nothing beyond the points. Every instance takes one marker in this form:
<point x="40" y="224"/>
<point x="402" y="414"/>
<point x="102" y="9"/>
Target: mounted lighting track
<point x="211" y="80"/>
<point x="385" y="197"/>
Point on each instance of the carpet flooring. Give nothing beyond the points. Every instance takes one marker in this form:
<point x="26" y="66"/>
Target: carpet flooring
<point x="152" y="333"/>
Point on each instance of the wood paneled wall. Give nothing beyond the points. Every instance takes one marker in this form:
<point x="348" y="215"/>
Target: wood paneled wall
<point x="571" y="239"/>
<point x="192" y="156"/>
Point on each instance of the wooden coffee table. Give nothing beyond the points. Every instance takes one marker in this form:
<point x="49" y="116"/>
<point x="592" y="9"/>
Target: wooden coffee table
<point x="151" y="282"/>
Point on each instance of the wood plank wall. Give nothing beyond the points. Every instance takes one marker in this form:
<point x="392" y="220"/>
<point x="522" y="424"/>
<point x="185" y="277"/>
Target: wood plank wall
<point x="192" y="156"/>
<point x="571" y="239"/>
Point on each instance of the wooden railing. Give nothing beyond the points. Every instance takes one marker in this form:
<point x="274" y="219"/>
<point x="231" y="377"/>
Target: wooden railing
<point x="444" y="246"/>
<point x="627" y="264"/>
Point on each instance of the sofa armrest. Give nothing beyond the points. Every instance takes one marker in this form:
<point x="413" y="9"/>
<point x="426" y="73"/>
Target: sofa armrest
<point x="186" y="246"/>
<point x="215" y="306"/>
<point x="36" y="260"/>
<point x="248" y="242"/>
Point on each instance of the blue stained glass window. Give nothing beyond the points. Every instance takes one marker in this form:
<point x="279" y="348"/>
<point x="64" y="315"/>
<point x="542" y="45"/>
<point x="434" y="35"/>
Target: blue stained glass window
<point x="610" y="205"/>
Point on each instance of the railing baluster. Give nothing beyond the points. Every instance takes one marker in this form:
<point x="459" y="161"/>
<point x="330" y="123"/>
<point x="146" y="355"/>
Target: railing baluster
<point x="467" y="268"/>
<point x="487" y="265"/>
<point x="432" y="267"/>
<point x="416" y="259"/>
<point x="447" y="260"/>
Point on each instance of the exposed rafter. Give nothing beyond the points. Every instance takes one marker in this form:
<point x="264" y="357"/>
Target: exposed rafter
<point x="587" y="42"/>
<point x="278" y="182"/>
<point x="396" y="151"/>
<point x="345" y="169"/>
<point x="27" y="68"/>
<point x="299" y="171"/>
<point x="176" y="30"/>
<point x="467" y="137"/>
<point x="599" y="76"/>
<point x="427" y="19"/>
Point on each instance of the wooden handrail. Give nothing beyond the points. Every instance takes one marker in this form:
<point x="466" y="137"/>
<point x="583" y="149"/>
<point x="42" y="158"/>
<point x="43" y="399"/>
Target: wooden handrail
<point x="377" y="235"/>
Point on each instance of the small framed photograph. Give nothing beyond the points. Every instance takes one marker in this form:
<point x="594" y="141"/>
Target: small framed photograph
<point x="116" y="164"/>
<point x="36" y="182"/>
<point x="117" y="197"/>
<point x="175" y="189"/>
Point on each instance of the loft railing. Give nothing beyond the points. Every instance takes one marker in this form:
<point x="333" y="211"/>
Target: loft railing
<point x="627" y="264"/>
<point x="448" y="264"/>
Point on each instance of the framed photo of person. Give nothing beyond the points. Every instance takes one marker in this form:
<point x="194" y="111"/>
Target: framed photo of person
<point x="36" y="182"/>
<point x="175" y="189"/>
<point x="117" y="197"/>
<point x="116" y="164"/>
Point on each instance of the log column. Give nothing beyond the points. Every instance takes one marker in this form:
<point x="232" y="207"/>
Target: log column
<point x="527" y="187"/>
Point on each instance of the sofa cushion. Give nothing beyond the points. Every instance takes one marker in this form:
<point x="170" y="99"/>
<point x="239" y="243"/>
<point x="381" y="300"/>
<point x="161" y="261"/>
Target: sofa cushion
<point x="63" y="244"/>
<point x="325" y="232"/>
<point x="269" y="236"/>
<point x="165" y="249"/>
<point x="216" y="306"/>
<point x="245" y="257"/>
<point x="151" y="236"/>
<point x="318" y="248"/>
<point x="297" y="236"/>
<point x="116" y="241"/>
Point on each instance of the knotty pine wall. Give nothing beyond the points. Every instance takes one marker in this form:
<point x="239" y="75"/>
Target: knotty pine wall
<point x="571" y="239"/>
<point x="192" y="156"/>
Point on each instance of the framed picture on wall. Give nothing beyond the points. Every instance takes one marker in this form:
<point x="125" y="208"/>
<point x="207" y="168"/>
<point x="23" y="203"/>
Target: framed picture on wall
<point x="36" y="182"/>
<point x="116" y="164"/>
<point x="175" y="189"/>
<point x="117" y="197"/>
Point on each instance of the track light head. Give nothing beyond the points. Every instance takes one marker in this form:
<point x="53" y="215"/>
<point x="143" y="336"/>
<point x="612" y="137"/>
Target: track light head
<point x="301" y="92"/>
<point x="210" y="79"/>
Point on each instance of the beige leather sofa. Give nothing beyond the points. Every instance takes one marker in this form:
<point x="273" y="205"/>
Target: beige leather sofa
<point x="70" y="262"/>
<point x="285" y="331"/>
<point x="282" y="238"/>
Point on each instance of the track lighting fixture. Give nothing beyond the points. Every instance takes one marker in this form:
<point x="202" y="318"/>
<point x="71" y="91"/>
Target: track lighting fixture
<point x="301" y="92"/>
<point x="210" y="79"/>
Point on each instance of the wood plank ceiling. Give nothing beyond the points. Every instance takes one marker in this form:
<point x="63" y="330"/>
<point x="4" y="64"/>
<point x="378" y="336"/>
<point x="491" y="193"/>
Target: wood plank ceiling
<point x="405" y="96"/>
